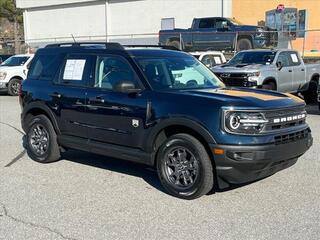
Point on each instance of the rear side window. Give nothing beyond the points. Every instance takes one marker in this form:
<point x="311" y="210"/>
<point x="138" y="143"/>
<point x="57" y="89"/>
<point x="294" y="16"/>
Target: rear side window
<point x="76" y="70"/>
<point x="44" y="67"/>
<point x="207" y="23"/>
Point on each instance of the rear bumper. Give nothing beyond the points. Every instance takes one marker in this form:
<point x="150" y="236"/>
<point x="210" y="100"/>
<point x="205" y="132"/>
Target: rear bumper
<point x="241" y="164"/>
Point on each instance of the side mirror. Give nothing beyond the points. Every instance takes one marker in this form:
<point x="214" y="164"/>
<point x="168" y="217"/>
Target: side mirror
<point x="126" y="87"/>
<point x="279" y="65"/>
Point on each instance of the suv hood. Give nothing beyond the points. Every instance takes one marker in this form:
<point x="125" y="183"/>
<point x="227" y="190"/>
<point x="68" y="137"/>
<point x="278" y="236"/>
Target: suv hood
<point x="248" y="98"/>
<point x="239" y="68"/>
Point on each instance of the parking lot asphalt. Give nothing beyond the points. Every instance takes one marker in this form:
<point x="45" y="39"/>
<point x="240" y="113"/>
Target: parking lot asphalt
<point x="86" y="196"/>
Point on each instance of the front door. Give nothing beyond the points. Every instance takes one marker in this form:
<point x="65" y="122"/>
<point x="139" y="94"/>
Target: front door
<point x="115" y="117"/>
<point x="285" y="74"/>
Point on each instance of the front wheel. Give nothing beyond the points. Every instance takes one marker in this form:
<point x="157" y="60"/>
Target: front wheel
<point x="42" y="145"/>
<point x="184" y="167"/>
<point x="311" y="95"/>
<point x="269" y="86"/>
<point x="14" y="86"/>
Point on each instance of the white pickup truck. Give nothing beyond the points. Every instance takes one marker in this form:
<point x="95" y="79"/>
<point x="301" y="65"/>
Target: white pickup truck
<point x="13" y="71"/>
<point x="281" y="70"/>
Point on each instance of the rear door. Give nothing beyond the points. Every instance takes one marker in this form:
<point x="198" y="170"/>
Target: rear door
<point x="204" y="37"/>
<point x="299" y="71"/>
<point x="285" y="74"/>
<point x="69" y="94"/>
<point x="115" y="117"/>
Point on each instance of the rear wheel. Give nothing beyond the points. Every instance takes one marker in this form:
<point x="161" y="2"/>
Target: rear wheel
<point x="14" y="86"/>
<point x="42" y="145"/>
<point x="184" y="167"/>
<point x="269" y="86"/>
<point x="175" y="44"/>
<point x="244" y="44"/>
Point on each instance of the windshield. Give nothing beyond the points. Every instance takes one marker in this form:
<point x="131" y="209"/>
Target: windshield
<point x="177" y="73"/>
<point x="246" y="58"/>
<point x="234" y="21"/>
<point x="15" y="61"/>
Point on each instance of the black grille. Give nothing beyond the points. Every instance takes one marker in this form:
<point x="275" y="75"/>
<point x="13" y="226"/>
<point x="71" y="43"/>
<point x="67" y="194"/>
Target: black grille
<point x="289" y="114"/>
<point x="233" y="79"/>
<point x="292" y="137"/>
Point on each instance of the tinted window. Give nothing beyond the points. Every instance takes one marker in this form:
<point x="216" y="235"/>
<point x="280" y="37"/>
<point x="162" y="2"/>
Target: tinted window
<point x="177" y="73"/>
<point x="264" y="57"/>
<point x="221" y="23"/>
<point x="111" y="70"/>
<point x="294" y="59"/>
<point x="206" y="23"/>
<point x="44" y="67"/>
<point x="76" y="70"/>
<point x="15" y="61"/>
<point x="284" y="59"/>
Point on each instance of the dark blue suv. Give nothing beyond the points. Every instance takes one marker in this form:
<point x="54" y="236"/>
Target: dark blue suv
<point x="162" y="108"/>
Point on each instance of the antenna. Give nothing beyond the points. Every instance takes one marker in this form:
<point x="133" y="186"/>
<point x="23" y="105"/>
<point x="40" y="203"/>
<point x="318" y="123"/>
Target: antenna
<point x="73" y="38"/>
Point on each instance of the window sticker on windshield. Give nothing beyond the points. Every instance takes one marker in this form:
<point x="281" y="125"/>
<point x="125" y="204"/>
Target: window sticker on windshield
<point x="217" y="60"/>
<point x="74" y="69"/>
<point x="294" y="58"/>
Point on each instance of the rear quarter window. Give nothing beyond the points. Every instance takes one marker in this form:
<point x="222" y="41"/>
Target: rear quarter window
<point x="44" y="67"/>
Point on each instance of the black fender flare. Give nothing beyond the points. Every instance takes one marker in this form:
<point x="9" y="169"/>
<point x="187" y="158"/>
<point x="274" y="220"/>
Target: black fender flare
<point x="270" y="79"/>
<point x="184" y="122"/>
<point x="43" y="108"/>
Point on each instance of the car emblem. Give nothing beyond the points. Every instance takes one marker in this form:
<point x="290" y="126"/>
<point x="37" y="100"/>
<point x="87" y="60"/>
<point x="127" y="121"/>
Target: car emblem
<point x="225" y="75"/>
<point x="135" y="123"/>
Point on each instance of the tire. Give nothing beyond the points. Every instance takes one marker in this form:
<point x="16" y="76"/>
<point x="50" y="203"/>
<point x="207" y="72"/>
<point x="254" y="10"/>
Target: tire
<point x="14" y="86"/>
<point x="175" y="44"/>
<point x="311" y="95"/>
<point x="41" y="133"/>
<point x="269" y="86"/>
<point x="190" y="179"/>
<point x="244" y="44"/>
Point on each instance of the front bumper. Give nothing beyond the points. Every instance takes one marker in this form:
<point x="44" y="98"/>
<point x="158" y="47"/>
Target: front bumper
<point x="3" y="85"/>
<point x="241" y="164"/>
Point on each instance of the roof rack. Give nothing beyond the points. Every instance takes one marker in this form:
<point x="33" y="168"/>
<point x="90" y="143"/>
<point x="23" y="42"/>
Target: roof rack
<point x="153" y="46"/>
<point x="108" y="45"/>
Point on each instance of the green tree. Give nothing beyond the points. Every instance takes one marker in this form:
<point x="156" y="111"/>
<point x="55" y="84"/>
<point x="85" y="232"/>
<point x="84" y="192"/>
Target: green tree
<point x="9" y="11"/>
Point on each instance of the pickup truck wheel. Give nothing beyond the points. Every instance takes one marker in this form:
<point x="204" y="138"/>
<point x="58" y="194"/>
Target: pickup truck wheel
<point x="14" y="86"/>
<point x="311" y="95"/>
<point x="244" y="44"/>
<point x="184" y="167"/>
<point x="175" y="44"/>
<point x="269" y="86"/>
<point x="42" y="145"/>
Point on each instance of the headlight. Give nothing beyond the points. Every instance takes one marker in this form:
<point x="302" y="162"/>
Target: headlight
<point x="3" y="75"/>
<point x="254" y="76"/>
<point x="244" y="122"/>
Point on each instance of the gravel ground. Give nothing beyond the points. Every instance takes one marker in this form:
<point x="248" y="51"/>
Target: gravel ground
<point x="86" y="196"/>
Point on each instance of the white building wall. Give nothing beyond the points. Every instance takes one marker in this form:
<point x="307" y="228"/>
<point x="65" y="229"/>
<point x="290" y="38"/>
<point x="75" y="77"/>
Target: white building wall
<point x="122" y="20"/>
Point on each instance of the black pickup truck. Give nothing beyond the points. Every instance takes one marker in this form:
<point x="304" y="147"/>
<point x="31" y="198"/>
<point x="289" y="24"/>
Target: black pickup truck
<point x="217" y="33"/>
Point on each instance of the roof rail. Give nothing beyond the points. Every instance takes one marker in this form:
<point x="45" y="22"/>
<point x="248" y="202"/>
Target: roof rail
<point x="108" y="45"/>
<point x="153" y="46"/>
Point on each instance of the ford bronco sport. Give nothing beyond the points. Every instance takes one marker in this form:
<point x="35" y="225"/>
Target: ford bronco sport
<point x="162" y="108"/>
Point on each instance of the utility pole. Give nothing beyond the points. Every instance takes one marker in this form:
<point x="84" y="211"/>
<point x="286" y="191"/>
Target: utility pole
<point x="222" y="2"/>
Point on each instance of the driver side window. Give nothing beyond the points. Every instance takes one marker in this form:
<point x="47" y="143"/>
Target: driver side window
<point x="284" y="59"/>
<point x="111" y="70"/>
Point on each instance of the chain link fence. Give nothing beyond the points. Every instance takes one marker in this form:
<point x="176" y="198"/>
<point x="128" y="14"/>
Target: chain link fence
<point x="306" y="42"/>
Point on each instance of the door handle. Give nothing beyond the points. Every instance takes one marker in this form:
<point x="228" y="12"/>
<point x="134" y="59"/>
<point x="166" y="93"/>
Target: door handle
<point x="97" y="99"/>
<point x="56" y="95"/>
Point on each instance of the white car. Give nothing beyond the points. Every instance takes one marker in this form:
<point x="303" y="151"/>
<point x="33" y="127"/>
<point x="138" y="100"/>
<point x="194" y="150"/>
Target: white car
<point x="13" y="71"/>
<point x="210" y="58"/>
